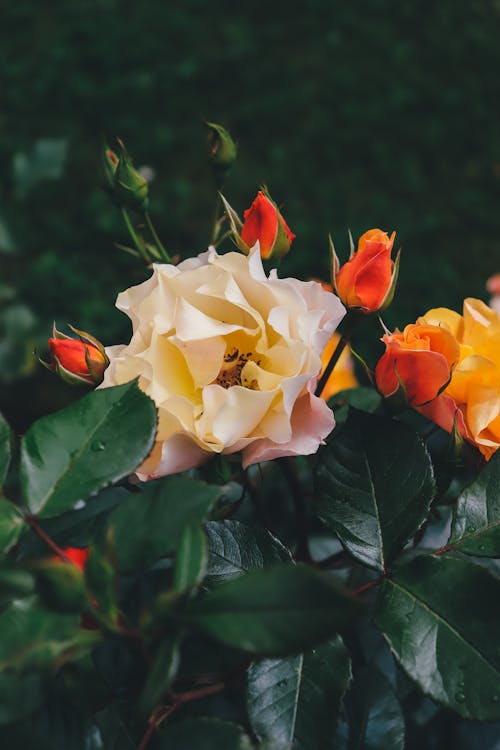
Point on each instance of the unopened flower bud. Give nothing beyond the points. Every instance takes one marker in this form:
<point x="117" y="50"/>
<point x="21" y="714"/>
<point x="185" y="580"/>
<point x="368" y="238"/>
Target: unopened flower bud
<point x="77" y="361"/>
<point x="221" y="150"/>
<point x="129" y="185"/>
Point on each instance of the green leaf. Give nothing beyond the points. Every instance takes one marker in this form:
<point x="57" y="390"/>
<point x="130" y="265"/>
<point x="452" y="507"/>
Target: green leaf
<point x="20" y="695"/>
<point x="11" y="525"/>
<point x="440" y="616"/>
<point x="161" y="675"/>
<point x="192" y="558"/>
<point x="476" y="521"/>
<point x="273" y="612"/>
<point x="295" y="702"/>
<point x="73" y="453"/>
<point x="203" y="734"/>
<point x="374" y="485"/>
<point x="376" y="721"/>
<point x="5" y="449"/>
<point x="362" y="398"/>
<point x="235" y="548"/>
<point x="33" y="637"/>
<point x="114" y="732"/>
<point x="150" y="523"/>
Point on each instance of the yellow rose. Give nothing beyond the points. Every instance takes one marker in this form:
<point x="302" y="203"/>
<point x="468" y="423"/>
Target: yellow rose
<point x="475" y="383"/>
<point x="230" y="357"/>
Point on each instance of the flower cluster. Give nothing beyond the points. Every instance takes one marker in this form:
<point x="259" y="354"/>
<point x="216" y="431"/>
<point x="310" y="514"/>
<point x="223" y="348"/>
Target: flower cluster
<point x="448" y="366"/>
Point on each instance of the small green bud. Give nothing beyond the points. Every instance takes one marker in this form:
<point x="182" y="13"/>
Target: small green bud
<point x="221" y="150"/>
<point x="61" y="586"/>
<point x="130" y="187"/>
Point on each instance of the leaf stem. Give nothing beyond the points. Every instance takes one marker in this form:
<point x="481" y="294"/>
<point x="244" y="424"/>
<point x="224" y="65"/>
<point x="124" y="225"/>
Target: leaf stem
<point x="35" y="526"/>
<point x="368" y="586"/>
<point x="135" y="238"/>
<point x="215" y="225"/>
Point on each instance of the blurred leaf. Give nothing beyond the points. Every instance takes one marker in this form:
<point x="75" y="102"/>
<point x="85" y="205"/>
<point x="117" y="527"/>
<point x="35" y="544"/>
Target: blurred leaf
<point x="11" y="525"/>
<point x="45" y="161"/>
<point x="235" y="548"/>
<point x="150" y="523"/>
<point x="114" y="732"/>
<point x="295" y="702"/>
<point x="20" y="695"/>
<point x="192" y="558"/>
<point x="276" y="611"/>
<point x="5" y="449"/>
<point x="203" y="734"/>
<point x="15" y="583"/>
<point x="476" y="521"/>
<point x="101" y="578"/>
<point x="61" y="586"/>
<point x="362" y="398"/>
<point x="161" y="675"/>
<point x="7" y="244"/>
<point x="33" y="637"/>
<point x="376" y="721"/>
<point x="75" y="452"/>
<point x="440" y="616"/>
<point x="374" y="485"/>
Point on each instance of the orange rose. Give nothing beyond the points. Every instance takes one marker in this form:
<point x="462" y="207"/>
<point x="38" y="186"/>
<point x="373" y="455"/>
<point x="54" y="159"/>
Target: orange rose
<point x="474" y="388"/>
<point x="368" y="279"/>
<point x="420" y="360"/>
<point x="265" y="224"/>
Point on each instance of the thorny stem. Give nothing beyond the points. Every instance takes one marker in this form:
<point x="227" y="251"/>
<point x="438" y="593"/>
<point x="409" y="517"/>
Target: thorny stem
<point x="35" y="526"/>
<point x="351" y="320"/>
<point x="368" y="586"/>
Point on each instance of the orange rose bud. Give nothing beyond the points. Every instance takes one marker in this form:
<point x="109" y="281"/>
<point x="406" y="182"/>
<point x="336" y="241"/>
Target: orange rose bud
<point x="265" y="224"/>
<point x="77" y="361"/>
<point x="77" y="555"/>
<point x="418" y="361"/>
<point x="368" y="280"/>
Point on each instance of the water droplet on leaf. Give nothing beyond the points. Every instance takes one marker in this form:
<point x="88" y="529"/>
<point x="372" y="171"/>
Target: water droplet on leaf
<point x="460" y="697"/>
<point x="98" y="445"/>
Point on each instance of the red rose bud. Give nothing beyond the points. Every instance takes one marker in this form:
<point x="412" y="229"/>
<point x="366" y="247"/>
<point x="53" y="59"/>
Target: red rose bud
<point x="129" y="186"/>
<point x="77" y="361"/>
<point x="368" y="280"/>
<point x="265" y="224"/>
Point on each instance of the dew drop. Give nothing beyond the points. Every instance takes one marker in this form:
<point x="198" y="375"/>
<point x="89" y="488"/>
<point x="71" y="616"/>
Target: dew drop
<point x="460" y="697"/>
<point x="495" y="699"/>
<point x="98" y="445"/>
<point x="282" y="683"/>
<point x="471" y="529"/>
<point x="482" y="547"/>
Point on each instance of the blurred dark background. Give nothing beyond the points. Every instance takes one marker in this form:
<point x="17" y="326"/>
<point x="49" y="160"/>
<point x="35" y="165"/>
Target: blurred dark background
<point x="362" y="114"/>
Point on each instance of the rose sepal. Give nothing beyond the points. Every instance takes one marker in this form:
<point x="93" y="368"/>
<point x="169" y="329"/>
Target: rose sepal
<point x="392" y="288"/>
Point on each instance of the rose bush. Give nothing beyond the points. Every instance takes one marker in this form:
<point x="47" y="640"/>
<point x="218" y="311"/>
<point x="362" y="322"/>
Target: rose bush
<point x="230" y="357"/>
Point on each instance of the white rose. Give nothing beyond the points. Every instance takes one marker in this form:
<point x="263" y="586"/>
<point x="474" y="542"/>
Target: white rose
<point x="230" y="358"/>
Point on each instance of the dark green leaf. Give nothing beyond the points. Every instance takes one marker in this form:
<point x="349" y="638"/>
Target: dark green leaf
<point x="235" y="548"/>
<point x="73" y="453"/>
<point x="295" y="702"/>
<point x="31" y="636"/>
<point x="20" y="695"/>
<point x="362" y="398"/>
<point x="5" y="449"/>
<point x="375" y="718"/>
<point x="374" y="486"/>
<point x="276" y="611"/>
<point x="476" y="522"/>
<point x="11" y="525"/>
<point x="15" y="583"/>
<point x="203" y="734"/>
<point x="440" y="616"/>
<point x="150" y="523"/>
<point x="163" y="671"/>
<point x="114" y="732"/>
<point x="192" y="558"/>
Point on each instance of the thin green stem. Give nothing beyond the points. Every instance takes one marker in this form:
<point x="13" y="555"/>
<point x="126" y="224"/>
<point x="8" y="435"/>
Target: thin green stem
<point x="216" y="225"/>
<point x="301" y="521"/>
<point x="158" y="242"/>
<point x="135" y="238"/>
<point x="351" y="321"/>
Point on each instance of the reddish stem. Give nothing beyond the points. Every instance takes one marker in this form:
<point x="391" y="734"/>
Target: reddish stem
<point x="368" y="586"/>
<point x="35" y="526"/>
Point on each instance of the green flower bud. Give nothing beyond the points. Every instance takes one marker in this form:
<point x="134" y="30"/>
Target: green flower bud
<point x="130" y="187"/>
<point x="221" y="150"/>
